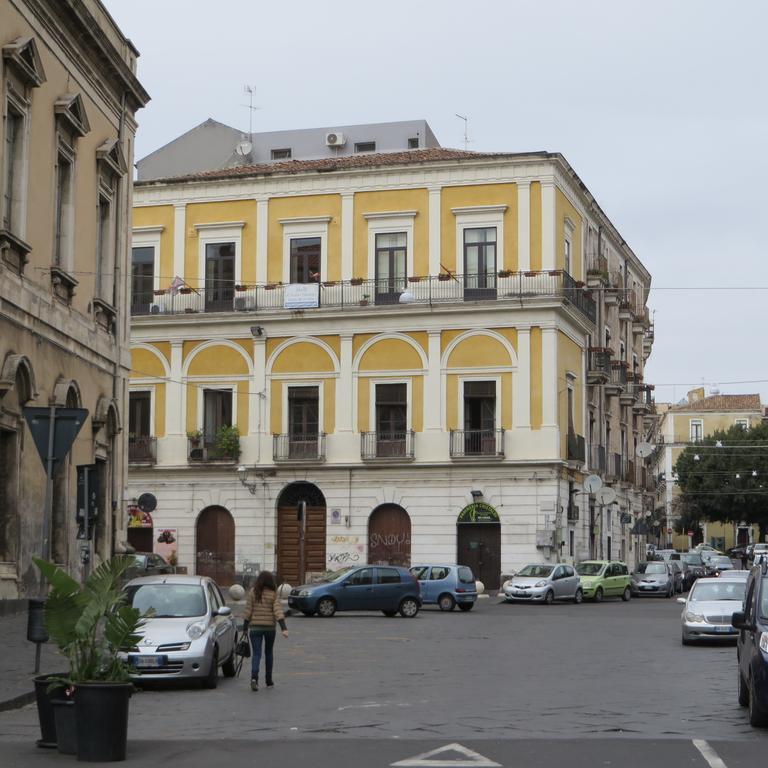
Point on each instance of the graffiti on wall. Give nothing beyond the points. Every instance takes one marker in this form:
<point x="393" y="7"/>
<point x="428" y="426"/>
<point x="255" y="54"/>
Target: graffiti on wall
<point x="343" y="551"/>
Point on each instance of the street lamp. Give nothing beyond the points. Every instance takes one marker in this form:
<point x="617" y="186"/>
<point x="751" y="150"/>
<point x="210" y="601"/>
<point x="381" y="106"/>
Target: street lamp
<point x="242" y="474"/>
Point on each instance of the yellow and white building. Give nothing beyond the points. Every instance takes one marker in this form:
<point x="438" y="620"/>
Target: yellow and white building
<point x="687" y="423"/>
<point x="430" y="348"/>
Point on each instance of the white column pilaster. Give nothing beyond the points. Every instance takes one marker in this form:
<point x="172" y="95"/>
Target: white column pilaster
<point x="549" y="376"/>
<point x="344" y="416"/>
<point x="521" y="390"/>
<point x="434" y="230"/>
<point x="523" y="225"/>
<point x="433" y="403"/>
<point x="174" y="398"/>
<point x="548" y="241"/>
<point x="347" y="235"/>
<point x="262" y="232"/>
<point x="179" y="240"/>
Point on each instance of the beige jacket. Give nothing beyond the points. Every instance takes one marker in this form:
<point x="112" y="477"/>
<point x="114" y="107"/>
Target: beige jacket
<point x="265" y="613"/>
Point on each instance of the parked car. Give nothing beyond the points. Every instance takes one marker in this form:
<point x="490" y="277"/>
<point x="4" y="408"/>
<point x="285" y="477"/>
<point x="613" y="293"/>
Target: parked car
<point x="542" y="583"/>
<point x="190" y="635"/>
<point x="676" y="568"/>
<point x="652" y="578"/>
<point x="752" y="646"/>
<point x="708" y="610"/>
<point x="739" y="574"/>
<point x="446" y="586"/>
<point x="693" y="568"/>
<point x="757" y="549"/>
<point x="719" y="563"/>
<point x="603" y="578"/>
<point x="148" y="564"/>
<point x="738" y="552"/>
<point x="386" y="588"/>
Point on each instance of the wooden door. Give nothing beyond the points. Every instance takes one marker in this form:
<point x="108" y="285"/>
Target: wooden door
<point x="141" y="539"/>
<point x="389" y="536"/>
<point x="216" y="546"/>
<point x="479" y="547"/>
<point x="288" y="543"/>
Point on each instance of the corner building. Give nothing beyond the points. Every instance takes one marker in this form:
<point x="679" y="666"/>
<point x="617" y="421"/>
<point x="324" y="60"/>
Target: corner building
<point x="431" y="348"/>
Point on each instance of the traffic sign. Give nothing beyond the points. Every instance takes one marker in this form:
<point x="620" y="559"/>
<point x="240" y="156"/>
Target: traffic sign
<point x="67" y="422"/>
<point x="690" y="533"/>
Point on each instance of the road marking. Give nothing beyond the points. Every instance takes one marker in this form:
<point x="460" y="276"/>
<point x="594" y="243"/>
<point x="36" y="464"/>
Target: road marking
<point x="709" y="754"/>
<point x="467" y="759"/>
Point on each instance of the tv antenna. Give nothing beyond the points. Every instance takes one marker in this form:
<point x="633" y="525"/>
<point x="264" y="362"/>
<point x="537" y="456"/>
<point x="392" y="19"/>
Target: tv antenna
<point x="250" y="90"/>
<point x="465" y="118"/>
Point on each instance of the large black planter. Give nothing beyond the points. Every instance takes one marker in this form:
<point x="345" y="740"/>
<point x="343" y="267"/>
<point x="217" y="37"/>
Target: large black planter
<point x="66" y="732"/>
<point x="45" y="709"/>
<point x="102" y="721"/>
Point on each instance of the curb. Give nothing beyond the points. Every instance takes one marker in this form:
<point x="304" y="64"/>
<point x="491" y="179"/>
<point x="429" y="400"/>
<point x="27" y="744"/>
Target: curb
<point x="17" y="702"/>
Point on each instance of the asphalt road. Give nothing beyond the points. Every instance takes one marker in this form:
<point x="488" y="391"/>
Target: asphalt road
<point x="521" y="685"/>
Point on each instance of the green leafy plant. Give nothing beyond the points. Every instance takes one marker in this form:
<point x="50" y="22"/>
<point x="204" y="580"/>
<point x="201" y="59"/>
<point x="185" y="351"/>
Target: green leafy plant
<point x="195" y="435"/>
<point x="92" y="623"/>
<point x="227" y="444"/>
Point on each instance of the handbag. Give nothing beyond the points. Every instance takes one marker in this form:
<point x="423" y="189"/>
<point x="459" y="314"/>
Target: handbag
<point x="243" y="647"/>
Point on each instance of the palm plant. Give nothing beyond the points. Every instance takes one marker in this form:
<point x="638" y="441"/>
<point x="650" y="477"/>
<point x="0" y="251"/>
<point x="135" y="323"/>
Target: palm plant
<point x="92" y="623"/>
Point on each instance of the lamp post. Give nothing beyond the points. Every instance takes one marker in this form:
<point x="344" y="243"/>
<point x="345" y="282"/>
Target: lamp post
<point x="243" y="476"/>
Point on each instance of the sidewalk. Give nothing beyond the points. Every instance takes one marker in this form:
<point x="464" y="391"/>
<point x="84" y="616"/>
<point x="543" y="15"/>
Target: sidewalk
<point x="17" y="662"/>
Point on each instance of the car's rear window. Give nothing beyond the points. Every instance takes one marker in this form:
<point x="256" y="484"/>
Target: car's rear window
<point x="465" y="575"/>
<point x="420" y="571"/>
<point x="168" y="600"/>
<point x="389" y="576"/>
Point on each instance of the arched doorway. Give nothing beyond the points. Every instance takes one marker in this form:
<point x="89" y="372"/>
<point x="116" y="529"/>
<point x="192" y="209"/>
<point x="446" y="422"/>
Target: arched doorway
<point x="389" y="536"/>
<point x="290" y="568"/>
<point x="216" y="545"/>
<point x="478" y="542"/>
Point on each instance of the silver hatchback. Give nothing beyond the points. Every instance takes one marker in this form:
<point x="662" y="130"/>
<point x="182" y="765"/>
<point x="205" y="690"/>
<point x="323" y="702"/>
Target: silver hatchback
<point x="541" y="583"/>
<point x="191" y="632"/>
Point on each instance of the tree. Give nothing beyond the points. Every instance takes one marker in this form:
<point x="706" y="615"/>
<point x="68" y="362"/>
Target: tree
<point x="725" y="476"/>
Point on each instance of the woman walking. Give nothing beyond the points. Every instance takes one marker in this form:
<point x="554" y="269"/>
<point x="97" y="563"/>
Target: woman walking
<point x="262" y="612"/>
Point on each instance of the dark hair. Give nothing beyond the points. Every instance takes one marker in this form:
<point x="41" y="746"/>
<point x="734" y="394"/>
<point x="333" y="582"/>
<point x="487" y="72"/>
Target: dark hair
<point x="265" y="580"/>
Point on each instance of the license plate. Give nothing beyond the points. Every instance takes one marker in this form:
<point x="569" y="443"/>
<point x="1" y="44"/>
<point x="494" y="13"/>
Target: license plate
<point x="149" y="661"/>
<point x="645" y="586"/>
<point x="724" y="629"/>
<point x="520" y="593"/>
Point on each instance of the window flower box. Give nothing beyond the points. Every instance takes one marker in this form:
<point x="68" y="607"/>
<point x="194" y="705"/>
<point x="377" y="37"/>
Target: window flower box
<point x="443" y="276"/>
<point x="241" y="287"/>
<point x="159" y="292"/>
<point x="270" y="286"/>
<point x="414" y="279"/>
<point x="356" y="281"/>
<point x="505" y="273"/>
<point x="185" y="290"/>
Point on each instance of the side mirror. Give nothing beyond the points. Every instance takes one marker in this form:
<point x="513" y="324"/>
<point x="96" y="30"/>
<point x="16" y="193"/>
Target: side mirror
<point x="739" y="620"/>
<point x="225" y="610"/>
<point x="681" y="600"/>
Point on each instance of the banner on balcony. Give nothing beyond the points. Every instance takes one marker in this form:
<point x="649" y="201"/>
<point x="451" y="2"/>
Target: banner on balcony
<point x="137" y="518"/>
<point x="478" y="512"/>
<point x="301" y="296"/>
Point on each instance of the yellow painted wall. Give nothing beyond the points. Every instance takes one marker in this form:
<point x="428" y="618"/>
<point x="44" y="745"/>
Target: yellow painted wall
<point x="711" y="422"/>
<point x="485" y="194"/>
<point x="569" y="359"/>
<point x="715" y="530"/>
<point x="563" y="209"/>
<point x="212" y="213"/>
<point x="303" y="357"/>
<point x="392" y="200"/>
<point x="510" y="334"/>
<point x="159" y="425"/>
<point x="144" y="365"/>
<point x="453" y="394"/>
<point x="365" y="394"/>
<point x="422" y="339"/>
<point x="218" y="360"/>
<point x="536" y="225"/>
<point x="390" y="355"/>
<point x="479" y="351"/>
<point x="159" y="216"/>
<point x="446" y="337"/>
<point x="300" y="207"/>
<point x="537" y="378"/>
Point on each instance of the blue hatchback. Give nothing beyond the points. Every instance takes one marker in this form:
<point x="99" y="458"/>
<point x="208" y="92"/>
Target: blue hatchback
<point x="446" y="586"/>
<point x="384" y="588"/>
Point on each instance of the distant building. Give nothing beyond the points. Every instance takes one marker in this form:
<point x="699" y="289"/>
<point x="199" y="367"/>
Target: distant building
<point x="214" y="146"/>
<point x="69" y="94"/>
<point x="684" y="424"/>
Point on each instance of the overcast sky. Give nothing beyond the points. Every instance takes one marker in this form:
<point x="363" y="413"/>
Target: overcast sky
<point x="659" y="105"/>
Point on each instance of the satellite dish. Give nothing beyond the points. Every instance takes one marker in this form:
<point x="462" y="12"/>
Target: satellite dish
<point x="644" y="450"/>
<point x="244" y="148"/>
<point x="592" y="483"/>
<point x="147" y="502"/>
<point x="606" y="495"/>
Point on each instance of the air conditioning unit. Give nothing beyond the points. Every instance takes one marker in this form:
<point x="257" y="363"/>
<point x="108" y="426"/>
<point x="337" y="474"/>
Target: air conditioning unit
<point x="335" y="139"/>
<point x="573" y="513"/>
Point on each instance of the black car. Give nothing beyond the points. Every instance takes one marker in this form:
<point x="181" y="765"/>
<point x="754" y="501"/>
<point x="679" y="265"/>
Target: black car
<point x="148" y="564"/>
<point x="752" y="647"/>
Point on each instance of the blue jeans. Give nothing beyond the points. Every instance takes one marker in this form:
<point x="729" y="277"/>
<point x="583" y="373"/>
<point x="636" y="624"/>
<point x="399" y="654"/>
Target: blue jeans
<point x="256" y="635"/>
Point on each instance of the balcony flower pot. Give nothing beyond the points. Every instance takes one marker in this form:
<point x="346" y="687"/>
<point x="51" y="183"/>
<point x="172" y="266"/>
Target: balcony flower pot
<point x="91" y="624"/>
<point x="241" y="287"/>
<point x="270" y="286"/>
<point x="44" y="698"/>
<point x="555" y="272"/>
<point x="159" y="292"/>
<point x="356" y="281"/>
<point x="505" y="273"/>
<point x="414" y="279"/>
<point x="532" y="273"/>
<point x="329" y="283"/>
<point x="443" y="276"/>
<point x="185" y="290"/>
<point x="364" y="301"/>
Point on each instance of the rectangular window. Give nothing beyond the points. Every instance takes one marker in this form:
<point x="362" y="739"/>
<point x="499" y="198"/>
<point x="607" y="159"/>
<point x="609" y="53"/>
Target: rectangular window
<point x="281" y="154"/>
<point x="365" y="146"/>
<point x="697" y="430"/>
<point x="479" y="262"/>
<point x="14" y="126"/>
<point x="413" y="143"/>
<point x="391" y="419"/>
<point x="104" y="251"/>
<point x="142" y="279"/>
<point x="391" y="265"/>
<point x="479" y="418"/>
<point x="219" y="276"/>
<point x="303" y="421"/>
<point x="567" y="257"/>
<point x="139" y="409"/>
<point x="305" y="260"/>
<point x="62" y="212"/>
<point x="743" y="423"/>
<point x="571" y="430"/>
<point x="217" y="412"/>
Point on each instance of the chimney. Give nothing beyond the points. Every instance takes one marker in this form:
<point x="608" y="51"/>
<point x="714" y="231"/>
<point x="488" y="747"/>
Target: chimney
<point x="695" y="395"/>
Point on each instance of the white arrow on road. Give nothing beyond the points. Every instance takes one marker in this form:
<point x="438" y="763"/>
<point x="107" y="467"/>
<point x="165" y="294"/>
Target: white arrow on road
<point x="466" y="758"/>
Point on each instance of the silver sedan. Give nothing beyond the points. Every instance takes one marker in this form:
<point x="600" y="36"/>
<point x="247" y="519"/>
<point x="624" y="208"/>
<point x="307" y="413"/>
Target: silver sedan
<point x="709" y="607"/>
<point x="542" y="583"/>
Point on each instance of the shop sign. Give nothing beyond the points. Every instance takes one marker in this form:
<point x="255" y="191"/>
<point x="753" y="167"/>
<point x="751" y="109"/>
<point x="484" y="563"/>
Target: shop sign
<point x="478" y="512"/>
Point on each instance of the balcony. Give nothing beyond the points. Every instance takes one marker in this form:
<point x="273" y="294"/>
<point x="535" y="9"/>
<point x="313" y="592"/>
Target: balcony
<point x="631" y="391"/>
<point x="597" y="271"/>
<point x="597" y="457"/>
<point x="616" y="468"/>
<point x="644" y="402"/>
<point x="599" y="371"/>
<point x="575" y="447"/>
<point x="205" y="451"/>
<point x="618" y="379"/>
<point x="627" y="304"/>
<point x="142" y="449"/>
<point x="298" y="448"/>
<point x="380" y="294"/>
<point x="477" y="443"/>
<point x="387" y="446"/>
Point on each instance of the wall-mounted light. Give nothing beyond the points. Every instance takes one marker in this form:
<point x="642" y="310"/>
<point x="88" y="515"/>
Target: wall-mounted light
<point x="243" y="476"/>
<point x="257" y="330"/>
<point x="477" y="495"/>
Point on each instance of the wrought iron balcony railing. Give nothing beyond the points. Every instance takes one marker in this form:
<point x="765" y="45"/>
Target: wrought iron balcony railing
<point x="470" y="443"/>
<point x="387" y="446"/>
<point x="597" y="457"/>
<point x="287" y="447"/>
<point x="204" y="450"/>
<point x="575" y="447"/>
<point x="442" y="289"/>
<point x="142" y="449"/>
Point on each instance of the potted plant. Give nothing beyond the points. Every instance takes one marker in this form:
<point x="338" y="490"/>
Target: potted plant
<point x="159" y="292"/>
<point x="241" y="287"/>
<point x="329" y="283"/>
<point x="93" y="624"/>
<point x="195" y="436"/>
<point x="505" y="273"/>
<point x="185" y="289"/>
<point x="443" y="276"/>
<point x="227" y="443"/>
<point x="364" y="300"/>
<point x="356" y="281"/>
<point x="270" y="286"/>
<point x="414" y="279"/>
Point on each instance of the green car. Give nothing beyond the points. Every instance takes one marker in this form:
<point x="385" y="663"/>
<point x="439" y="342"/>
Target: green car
<point x="604" y="578"/>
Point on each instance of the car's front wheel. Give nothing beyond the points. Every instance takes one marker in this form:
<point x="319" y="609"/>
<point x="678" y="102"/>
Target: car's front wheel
<point x="743" y="691"/>
<point x="408" y="608"/>
<point x="578" y="597"/>
<point x="228" y="667"/>
<point x="446" y="602"/>
<point x="626" y="594"/>
<point x="599" y="595"/>
<point x="758" y="717"/>
<point x="549" y="598"/>
<point x="326" y="607"/>
<point x="211" y="680"/>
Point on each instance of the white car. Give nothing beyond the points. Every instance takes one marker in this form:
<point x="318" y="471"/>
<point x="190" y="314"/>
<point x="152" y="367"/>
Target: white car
<point x="543" y="583"/>
<point x="708" y="609"/>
